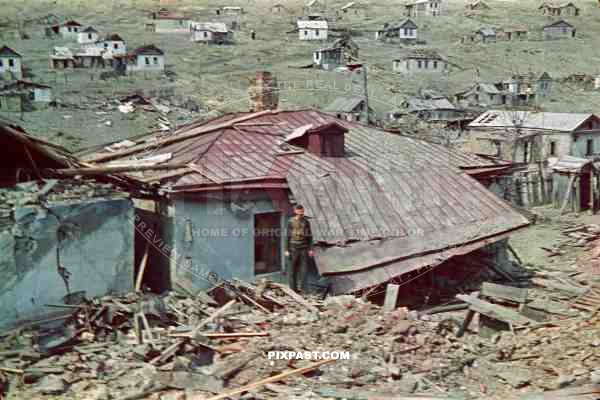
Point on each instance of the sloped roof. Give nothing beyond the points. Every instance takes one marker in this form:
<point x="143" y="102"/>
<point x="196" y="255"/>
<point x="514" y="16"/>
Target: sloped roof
<point x="6" y="51"/>
<point x="429" y="54"/>
<point x="487" y="31"/>
<point x="149" y="49"/>
<point x="71" y="23"/>
<point x="571" y="164"/>
<point x="550" y="4"/>
<point x="419" y="104"/>
<point x="344" y="104"/>
<point x="560" y="22"/>
<point x="89" y="29"/>
<point x="489" y="88"/>
<point x="386" y="185"/>
<point x="407" y="22"/>
<point x="114" y="37"/>
<point x="219" y="27"/>
<point x="565" y="122"/>
<point x="312" y="24"/>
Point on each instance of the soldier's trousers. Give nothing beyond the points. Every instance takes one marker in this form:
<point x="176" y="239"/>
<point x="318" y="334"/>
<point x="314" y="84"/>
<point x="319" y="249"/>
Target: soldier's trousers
<point x="298" y="268"/>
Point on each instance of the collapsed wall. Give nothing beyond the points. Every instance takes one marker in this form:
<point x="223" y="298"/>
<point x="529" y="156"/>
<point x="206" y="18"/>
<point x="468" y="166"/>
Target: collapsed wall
<point x="57" y="241"/>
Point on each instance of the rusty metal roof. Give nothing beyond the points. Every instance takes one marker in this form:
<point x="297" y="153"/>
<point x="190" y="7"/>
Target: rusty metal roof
<point x="390" y="198"/>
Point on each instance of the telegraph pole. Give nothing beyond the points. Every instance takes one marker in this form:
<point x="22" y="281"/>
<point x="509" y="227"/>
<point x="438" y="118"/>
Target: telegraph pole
<point x="366" y="90"/>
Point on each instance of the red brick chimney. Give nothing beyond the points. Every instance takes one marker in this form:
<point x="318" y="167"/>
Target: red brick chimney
<point x="263" y="92"/>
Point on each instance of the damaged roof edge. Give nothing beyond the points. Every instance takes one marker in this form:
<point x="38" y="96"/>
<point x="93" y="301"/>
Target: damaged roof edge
<point x="381" y="273"/>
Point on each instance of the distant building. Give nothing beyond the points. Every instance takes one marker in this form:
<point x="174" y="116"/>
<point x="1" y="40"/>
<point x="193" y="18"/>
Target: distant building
<point x="353" y="7"/>
<point x="512" y="33"/>
<point x="420" y="60"/>
<point x="211" y="32"/>
<point x="348" y="108"/>
<point x="165" y="21"/>
<point x="232" y="10"/>
<point x="314" y="6"/>
<point x="559" y="9"/>
<point x="486" y="35"/>
<point x="113" y="43"/>
<point x="559" y="29"/>
<point x="279" y="8"/>
<point x="518" y="90"/>
<point x="10" y="63"/>
<point x="312" y="29"/>
<point x="68" y="30"/>
<point x="423" y="8"/>
<point x="477" y="5"/>
<point x="87" y="36"/>
<point x="24" y="96"/>
<point x="328" y="58"/>
<point x="406" y="30"/>
<point x="147" y="58"/>
<point x="62" y="58"/>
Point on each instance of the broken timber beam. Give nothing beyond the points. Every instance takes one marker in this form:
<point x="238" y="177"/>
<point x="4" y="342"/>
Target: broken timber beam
<point x="494" y="311"/>
<point x="503" y="292"/>
<point x="299" y="299"/>
<point x="211" y="317"/>
<point x="262" y="382"/>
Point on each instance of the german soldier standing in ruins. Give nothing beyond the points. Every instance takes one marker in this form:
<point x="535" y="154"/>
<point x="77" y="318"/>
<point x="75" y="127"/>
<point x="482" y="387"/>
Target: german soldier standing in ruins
<point x="299" y="249"/>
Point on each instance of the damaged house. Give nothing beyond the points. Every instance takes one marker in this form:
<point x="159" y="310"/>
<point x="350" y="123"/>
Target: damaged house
<point x="556" y="9"/>
<point x="381" y="205"/>
<point x="328" y="58"/>
<point x="166" y="21"/>
<point x="423" y="8"/>
<point x="312" y="29"/>
<point x="61" y="239"/>
<point x="148" y="58"/>
<point x="68" y="30"/>
<point x="22" y="96"/>
<point x="534" y="142"/>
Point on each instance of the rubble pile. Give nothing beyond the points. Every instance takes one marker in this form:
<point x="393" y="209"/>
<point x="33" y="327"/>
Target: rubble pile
<point x="216" y="345"/>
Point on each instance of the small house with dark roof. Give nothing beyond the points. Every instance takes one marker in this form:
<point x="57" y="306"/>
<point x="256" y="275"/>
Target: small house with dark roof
<point x="405" y="30"/>
<point x="348" y="108"/>
<point x="68" y="30"/>
<point x="87" y="35"/>
<point x="486" y="34"/>
<point x="512" y="33"/>
<point x="420" y="60"/>
<point x="147" y="58"/>
<point x="112" y="43"/>
<point x="10" y="63"/>
<point x="559" y="29"/>
<point x="559" y="9"/>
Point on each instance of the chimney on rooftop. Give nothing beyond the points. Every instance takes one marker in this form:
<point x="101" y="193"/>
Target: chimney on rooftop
<point x="263" y="92"/>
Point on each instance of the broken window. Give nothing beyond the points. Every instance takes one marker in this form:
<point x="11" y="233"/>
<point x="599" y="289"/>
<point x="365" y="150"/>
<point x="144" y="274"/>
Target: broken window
<point x="147" y="60"/>
<point x="526" y="152"/>
<point x="553" y="148"/>
<point x="89" y="35"/>
<point x="419" y="64"/>
<point x="316" y="32"/>
<point x="1" y="63"/>
<point x="116" y="46"/>
<point x="155" y="59"/>
<point x="205" y="34"/>
<point x="267" y="243"/>
<point x="11" y="62"/>
<point x="589" y="147"/>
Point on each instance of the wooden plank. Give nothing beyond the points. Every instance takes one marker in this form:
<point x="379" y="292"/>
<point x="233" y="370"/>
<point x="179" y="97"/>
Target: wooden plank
<point x="466" y="323"/>
<point x="262" y="382"/>
<point x="503" y="292"/>
<point x="299" y="299"/>
<point x="494" y="311"/>
<point x="391" y="297"/>
<point x="574" y="290"/>
<point x="211" y="317"/>
<point x="567" y="194"/>
<point x="142" y="268"/>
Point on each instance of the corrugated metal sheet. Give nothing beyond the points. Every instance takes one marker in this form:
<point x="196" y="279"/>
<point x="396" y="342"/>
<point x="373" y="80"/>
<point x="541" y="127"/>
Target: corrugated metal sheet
<point x="532" y="120"/>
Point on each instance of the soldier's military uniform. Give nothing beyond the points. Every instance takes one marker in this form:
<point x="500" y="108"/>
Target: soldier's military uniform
<point x="299" y="242"/>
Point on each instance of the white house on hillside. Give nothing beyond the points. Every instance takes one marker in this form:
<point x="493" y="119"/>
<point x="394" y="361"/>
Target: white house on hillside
<point x="87" y="36"/>
<point x="113" y="43"/>
<point x="210" y="32"/>
<point x="312" y="29"/>
<point x="423" y="8"/>
<point x="69" y="29"/>
<point x="10" y="63"/>
<point x="146" y="58"/>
